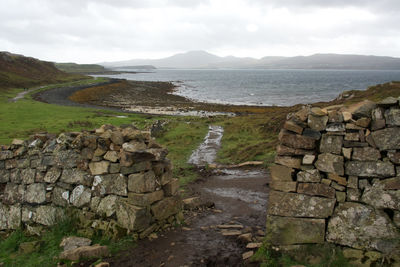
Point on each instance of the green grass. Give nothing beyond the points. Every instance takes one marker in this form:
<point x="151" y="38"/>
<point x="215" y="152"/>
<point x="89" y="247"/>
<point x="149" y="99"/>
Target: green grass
<point x="307" y="255"/>
<point x="50" y="245"/>
<point x="182" y="136"/>
<point x="26" y="116"/>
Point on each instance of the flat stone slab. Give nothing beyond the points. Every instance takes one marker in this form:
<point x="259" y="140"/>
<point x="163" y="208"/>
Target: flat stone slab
<point x="316" y="189"/>
<point x="289" y="231"/>
<point x="379" y="169"/>
<point x="299" y="205"/>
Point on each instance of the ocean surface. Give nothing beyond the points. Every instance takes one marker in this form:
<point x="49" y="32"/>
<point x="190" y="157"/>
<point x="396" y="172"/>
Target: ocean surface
<point x="265" y="87"/>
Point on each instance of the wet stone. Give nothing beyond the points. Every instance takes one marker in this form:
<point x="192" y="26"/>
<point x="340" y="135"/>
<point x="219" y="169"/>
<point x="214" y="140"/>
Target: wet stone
<point x="317" y="123"/>
<point x="75" y="176"/>
<point x="142" y="182"/>
<point x="392" y="117"/>
<point x="391" y="183"/>
<point x="281" y="173"/>
<point x="363" y="122"/>
<point x="382" y="199"/>
<point x="296" y="141"/>
<point x="330" y="163"/>
<point x="14" y="193"/>
<point x="293" y="126"/>
<point x="387" y="139"/>
<point x="106" y="206"/>
<point x="132" y="217"/>
<point x="308" y="159"/>
<point x="331" y="144"/>
<point x="309" y="176"/>
<point x="288" y="231"/>
<point x="335" y="127"/>
<point x="52" y="175"/>
<point x="366" y="154"/>
<point x="352" y="182"/>
<point x="298" y="205"/>
<point x="352" y="137"/>
<point x="394" y="156"/>
<point x="35" y="193"/>
<point x="316" y="189"/>
<point x="290" y="162"/>
<point x="80" y="196"/>
<point x="4" y="176"/>
<point x="283" y="186"/>
<point x="166" y="207"/>
<point x="379" y="169"/>
<point x="347" y="152"/>
<point x="340" y="196"/>
<point x="144" y="200"/>
<point x="49" y="215"/>
<point x="60" y="196"/>
<point x="313" y="134"/>
<point x="353" y="194"/>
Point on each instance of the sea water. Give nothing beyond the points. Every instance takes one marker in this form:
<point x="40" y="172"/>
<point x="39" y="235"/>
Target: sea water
<point x="265" y="87"/>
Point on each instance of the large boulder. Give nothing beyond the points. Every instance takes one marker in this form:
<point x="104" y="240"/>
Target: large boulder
<point x="299" y="205"/>
<point x="290" y="231"/>
<point x="362" y="227"/>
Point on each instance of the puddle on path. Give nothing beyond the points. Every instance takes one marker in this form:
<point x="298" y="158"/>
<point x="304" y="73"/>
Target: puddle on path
<point x="207" y="151"/>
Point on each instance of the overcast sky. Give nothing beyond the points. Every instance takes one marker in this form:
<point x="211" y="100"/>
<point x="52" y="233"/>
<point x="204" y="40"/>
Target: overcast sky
<point x="89" y="31"/>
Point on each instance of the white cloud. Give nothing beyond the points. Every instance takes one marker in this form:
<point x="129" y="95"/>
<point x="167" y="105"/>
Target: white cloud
<point x="102" y="30"/>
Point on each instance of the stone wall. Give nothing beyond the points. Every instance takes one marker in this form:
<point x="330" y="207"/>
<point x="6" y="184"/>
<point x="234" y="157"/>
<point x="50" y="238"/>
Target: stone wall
<point x="114" y="180"/>
<point x="337" y="178"/>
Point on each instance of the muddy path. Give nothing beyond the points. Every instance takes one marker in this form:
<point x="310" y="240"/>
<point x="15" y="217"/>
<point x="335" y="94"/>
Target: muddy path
<point x="211" y="236"/>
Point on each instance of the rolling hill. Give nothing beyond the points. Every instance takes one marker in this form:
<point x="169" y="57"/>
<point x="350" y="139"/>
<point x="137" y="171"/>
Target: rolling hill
<point x="18" y="71"/>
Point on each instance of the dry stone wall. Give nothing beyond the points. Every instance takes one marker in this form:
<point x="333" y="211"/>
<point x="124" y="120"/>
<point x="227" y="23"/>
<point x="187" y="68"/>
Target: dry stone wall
<point x="114" y="180"/>
<point x="337" y="178"/>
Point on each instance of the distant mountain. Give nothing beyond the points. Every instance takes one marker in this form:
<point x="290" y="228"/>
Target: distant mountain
<point x="202" y="59"/>
<point x="18" y="71"/>
<point x="189" y="60"/>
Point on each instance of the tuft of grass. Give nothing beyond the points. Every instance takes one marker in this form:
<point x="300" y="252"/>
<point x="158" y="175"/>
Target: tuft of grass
<point x="306" y="255"/>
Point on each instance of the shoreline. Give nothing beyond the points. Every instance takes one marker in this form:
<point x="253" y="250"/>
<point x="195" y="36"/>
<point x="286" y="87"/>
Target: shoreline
<point x="158" y="98"/>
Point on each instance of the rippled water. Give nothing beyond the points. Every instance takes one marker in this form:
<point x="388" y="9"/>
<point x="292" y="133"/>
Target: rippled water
<point x="266" y="87"/>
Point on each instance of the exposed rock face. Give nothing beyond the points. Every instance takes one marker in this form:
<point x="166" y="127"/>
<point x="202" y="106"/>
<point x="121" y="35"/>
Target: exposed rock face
<point x="346" y="189"/>
<point x="112" y="179"/>
<point x="360" y="226"/>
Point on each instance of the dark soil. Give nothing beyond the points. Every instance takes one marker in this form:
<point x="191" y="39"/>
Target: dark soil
<point x="240" y="198"/>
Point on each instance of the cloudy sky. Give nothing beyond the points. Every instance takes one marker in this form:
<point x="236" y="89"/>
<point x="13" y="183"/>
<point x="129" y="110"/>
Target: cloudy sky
<point x="89" y="31"/>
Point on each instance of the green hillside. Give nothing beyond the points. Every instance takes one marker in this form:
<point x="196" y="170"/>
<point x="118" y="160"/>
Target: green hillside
<point x="80" y="68"/>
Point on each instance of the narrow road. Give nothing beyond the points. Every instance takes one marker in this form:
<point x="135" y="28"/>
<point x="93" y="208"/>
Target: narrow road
<point x="24" y="93"/>
<point x="240" y="198"/>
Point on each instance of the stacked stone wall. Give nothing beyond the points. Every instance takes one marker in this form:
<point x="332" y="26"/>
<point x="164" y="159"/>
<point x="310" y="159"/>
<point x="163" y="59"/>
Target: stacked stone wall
<point x="113" y="180"/>
<point x="337" y="178"/>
